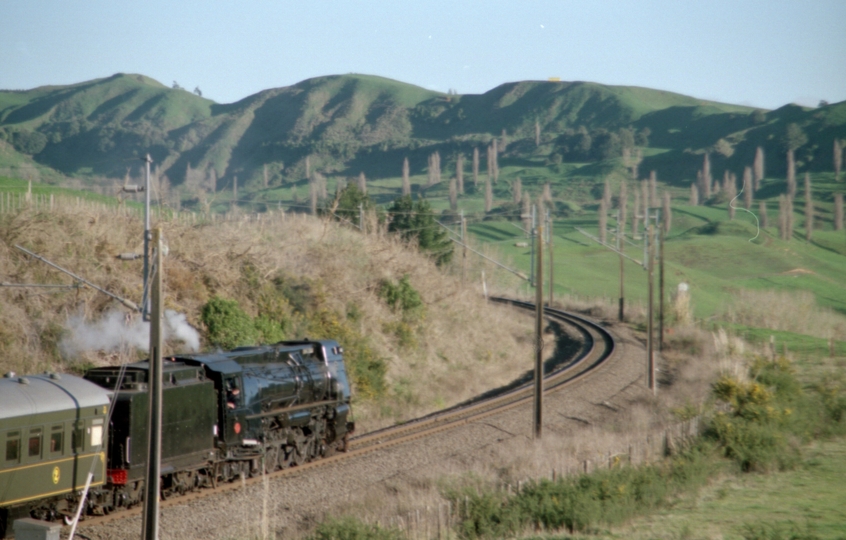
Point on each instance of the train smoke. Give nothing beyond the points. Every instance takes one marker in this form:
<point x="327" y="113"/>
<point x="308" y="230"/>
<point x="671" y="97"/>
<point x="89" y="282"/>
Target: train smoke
<point x="116" y="331"/>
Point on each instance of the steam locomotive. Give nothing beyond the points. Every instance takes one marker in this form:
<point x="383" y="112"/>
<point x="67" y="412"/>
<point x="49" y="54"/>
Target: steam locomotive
<point x="224" y="415"/>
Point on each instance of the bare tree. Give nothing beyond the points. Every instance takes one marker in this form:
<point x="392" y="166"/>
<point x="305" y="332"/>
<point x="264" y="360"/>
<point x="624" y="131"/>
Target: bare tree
<point x="636" y="213"/>
<point x="406" y="178"/>
<point x="547" y="193"/>
<point x="504" y="139"/>
<point x="212" y="180"/>
<point x="762" y="214"/>
<point x="707" y="179"/>
<point x="320" y="185"/>
<point x="838" y="160"/>
<point x="453" y="194"/>
<point x="434" y="169"/>
<point x="459" y="172"/>
<point x="748" y="189"/>
<point x="809" y="209"/>
<point x="489" y="156"/>
<point x="758" y="168"/>
<point x="653" y="189"/>
<point x="517" y="190"/>
<point x="667" y="213"/>
<point x="621" y="206"/>
<point x="475" y="167"/>
<point x="603" y="220"/>
<point x="606" y="194"/>
<point x="526" y="215"/>
<point x="694" y="195"/>
<point x="362" y="183"/>
<point x="730" y="187"/>
<point x="495" y="161"/>
<point x="537" y="133"/>
<point x="312" y="197"/>
<point x="488" y="195"/>
<point x="308" y="167"/>
<point x="785" y="219"/>
<point x="791" y="174"/>
<point x="838" y="211"/>
<point x="644" y="201"/>
<point x="264" y="176"/>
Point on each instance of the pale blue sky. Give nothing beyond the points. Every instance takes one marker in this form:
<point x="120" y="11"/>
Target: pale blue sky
<point x="761" y="53"/>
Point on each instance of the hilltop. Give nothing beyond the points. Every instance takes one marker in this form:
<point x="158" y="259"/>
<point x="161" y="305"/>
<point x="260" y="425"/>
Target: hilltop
<point x="343" y="125"/>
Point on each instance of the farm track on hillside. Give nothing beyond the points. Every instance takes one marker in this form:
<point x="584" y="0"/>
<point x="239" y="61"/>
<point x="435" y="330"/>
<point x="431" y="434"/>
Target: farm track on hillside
<point x="598" y="345"/>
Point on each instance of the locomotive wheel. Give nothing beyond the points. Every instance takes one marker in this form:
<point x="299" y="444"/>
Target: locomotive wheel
<point x="271" y="458"/>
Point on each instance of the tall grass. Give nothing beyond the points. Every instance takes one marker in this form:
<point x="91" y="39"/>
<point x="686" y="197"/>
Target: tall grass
<point x="791" y="311"/>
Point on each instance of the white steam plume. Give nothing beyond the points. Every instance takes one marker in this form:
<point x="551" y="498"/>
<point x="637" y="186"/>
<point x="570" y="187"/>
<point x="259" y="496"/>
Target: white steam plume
<point x="116" y="331"/>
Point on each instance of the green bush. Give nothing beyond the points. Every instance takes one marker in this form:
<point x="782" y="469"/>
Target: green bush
<point x="227" y="325"/>
<point x="581" y="503"/>
<point x="350" y="528"/>
<point x="402" y="296"/>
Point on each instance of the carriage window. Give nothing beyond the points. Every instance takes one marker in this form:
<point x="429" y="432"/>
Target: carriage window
<point x="13" y="446"/>
<point x="97" y="435"/>
<point x="56" y="439"/>
<point x="35" y="443"/>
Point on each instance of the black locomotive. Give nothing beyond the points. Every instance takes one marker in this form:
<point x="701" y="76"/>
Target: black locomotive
<point x="225" y="415"/>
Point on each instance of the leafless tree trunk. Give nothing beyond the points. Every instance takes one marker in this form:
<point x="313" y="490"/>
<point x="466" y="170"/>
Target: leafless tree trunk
<point x="707" y="179"/>
<point x="475" y="167"/>
<point x="312" y="197"/>
<point x="758" y="168"/>
<point x="636" y="210"/>
<point x="526" y="215"/>
<point x="406" y="179"/>
<point x="653" y="189"/>
<point x="762" y="214"/>
<point x="320" y="184"/>
<point x="838" y="211"/>
<point x="495" y="161"/>
<point x="362" y="182"/>
<point x="730" y="188"/>
<point x="838" y="160"/>
<point x="694" y="195"/>
<point x="453" y="194"/>
<point x="265" y="176"/>
<point x="537" y="133"/>
<point x="791" y="175"/>
<point x="782" y="217"/>
<point x="547" y="193"/>
<point x="308" y="167"/>
<point x="488" y="195"/>
<point x="459" y="172"/>
<point x="606" y="194"/>
<point x="517" y="190"/>
<point x="644" y="200"/>
<point x="504" y="141"/>
<point x="809" y="209"/>
<point x="748" y="189"/>
<point x="667" y="213"/>
<point x="212" y="181"/>
<point x="621" y="205"/>
<point x="603" y="220"/>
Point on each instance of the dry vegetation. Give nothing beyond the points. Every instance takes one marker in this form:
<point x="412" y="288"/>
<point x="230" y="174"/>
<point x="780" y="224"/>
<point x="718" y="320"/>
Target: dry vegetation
<point x="790" y="311"/>
<point x="455" y="347"/>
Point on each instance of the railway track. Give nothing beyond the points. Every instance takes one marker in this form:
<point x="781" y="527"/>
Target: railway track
<point x="598" y="346"/>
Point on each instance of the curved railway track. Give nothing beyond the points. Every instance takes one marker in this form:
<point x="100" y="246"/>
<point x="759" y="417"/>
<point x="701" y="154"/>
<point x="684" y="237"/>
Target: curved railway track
<point x="598" y="345"/>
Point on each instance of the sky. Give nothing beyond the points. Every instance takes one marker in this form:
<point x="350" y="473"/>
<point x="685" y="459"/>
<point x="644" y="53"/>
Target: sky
<point x="758" y="53"/>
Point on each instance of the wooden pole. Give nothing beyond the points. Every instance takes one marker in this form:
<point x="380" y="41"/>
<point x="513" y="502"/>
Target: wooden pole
<point x="538" y="408"/>
<point x="551" y="263"/>
<point x="661" y="284"/>
<point x="621" y="314"/>
<point x="154" y="410"/>
<point x="650" y="353"/>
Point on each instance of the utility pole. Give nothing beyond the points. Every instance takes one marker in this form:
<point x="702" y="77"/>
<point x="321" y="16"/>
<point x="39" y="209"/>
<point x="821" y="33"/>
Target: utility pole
<point x="464" y="244"/>
<point x="145" y="291"/>
<point x="154" y="409"/>
<point x="532" y="257"/>
<point x="551" y="265"/>
<point x="538" y="408"/>
<point x="650" y="353"/>
<point x="621" y="314"/>
<point x="661" y="284"/>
